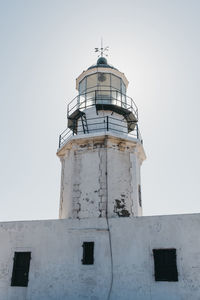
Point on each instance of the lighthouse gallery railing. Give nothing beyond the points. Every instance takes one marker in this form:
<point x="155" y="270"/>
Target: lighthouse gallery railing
<point x="102" y="97"/>
<point x="101" y="124"/>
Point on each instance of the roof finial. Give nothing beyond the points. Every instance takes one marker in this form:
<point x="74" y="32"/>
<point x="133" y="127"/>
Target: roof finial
<point x="101" y="50"/>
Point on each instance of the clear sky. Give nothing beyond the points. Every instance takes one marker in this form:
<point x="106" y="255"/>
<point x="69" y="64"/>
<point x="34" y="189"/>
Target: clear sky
<point x="46" y="44"/>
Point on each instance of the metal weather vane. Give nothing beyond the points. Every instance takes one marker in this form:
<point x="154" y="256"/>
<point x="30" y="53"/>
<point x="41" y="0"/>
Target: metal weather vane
<point x="102" y="51"/>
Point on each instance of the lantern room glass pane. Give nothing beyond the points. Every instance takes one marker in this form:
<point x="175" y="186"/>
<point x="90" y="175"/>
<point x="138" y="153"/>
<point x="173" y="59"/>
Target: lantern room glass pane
<point x="103" y="97"/>
<point x="90" y="98"/>
<point x="82" y="86"/>
<point x="81" y="101"/>
<point x="116" y="97"/>
<point x="123" y="95"/>
<point x="115" y="82"/>
<point x="123" y="88"/>
<point x="103" y="79"/>
<point x="91" y="81"/>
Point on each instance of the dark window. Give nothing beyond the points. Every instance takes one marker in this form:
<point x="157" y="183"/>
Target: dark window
<point x="165" y="265"/>
<point x="140" y="195"/>
<point x="88" y="253"/>
<point x="20" y="269"/>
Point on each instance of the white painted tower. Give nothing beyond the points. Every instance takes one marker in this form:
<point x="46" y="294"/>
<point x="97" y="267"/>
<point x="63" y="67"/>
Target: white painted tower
<point x="101" y="151"/>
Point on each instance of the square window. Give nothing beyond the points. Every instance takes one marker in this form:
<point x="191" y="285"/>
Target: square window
<point x="165" y="265"/>
<point x="20" y="269"/>
<point x="88" y="253"/>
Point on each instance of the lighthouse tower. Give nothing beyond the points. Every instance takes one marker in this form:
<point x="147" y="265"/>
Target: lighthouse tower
<point x="101" y="151"/>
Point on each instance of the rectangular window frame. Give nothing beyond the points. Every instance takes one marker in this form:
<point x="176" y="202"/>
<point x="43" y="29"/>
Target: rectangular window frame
<point x="165" y="264"/>
<point x="21" y="267"/>
<point x="88" y="253"/>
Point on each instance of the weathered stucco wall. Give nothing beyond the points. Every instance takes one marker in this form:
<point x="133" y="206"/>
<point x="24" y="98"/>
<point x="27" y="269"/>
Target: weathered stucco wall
<point x="56" y="271"/>
<point x="100" y="169"/>
<point x="133" y="260"/>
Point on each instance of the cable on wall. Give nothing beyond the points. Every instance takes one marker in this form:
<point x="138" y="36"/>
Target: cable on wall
<point x="108" y="225"/>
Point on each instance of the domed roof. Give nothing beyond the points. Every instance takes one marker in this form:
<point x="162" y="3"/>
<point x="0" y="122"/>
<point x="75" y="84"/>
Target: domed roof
<point x="101" y="63"/>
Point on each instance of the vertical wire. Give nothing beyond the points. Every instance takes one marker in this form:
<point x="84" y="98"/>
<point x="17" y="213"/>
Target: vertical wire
<point x="108" y="225"/>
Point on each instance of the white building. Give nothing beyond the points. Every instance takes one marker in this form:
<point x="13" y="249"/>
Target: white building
<point x="101" y="247"/>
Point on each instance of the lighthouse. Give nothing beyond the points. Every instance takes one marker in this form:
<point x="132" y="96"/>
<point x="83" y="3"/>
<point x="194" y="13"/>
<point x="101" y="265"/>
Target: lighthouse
<point x="101" y="151"/>
<point x="101" y="247"/>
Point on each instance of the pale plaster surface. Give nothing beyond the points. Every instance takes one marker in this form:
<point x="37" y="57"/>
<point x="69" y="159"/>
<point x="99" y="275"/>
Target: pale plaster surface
<point x="56" y="271"/>
<point x="99" y="173"/>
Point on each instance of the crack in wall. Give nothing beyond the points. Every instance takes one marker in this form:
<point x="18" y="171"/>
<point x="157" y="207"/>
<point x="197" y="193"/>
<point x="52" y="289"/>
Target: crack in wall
<point x="131" y="186"/>
<point x="62" y="187"/>
<point x="102" y="182"/>
<point x="76" y="193"/>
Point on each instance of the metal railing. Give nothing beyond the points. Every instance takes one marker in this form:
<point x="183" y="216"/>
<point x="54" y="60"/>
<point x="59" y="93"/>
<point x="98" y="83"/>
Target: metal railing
<point x="101" y="124"/>
<point x="102" y="97"/>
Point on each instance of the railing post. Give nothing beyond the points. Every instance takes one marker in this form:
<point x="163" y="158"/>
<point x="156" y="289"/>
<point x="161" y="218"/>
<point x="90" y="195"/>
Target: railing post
<point x="73" y="127"/>
<point x="59" y="140"/>
<point x="107" y="123"/>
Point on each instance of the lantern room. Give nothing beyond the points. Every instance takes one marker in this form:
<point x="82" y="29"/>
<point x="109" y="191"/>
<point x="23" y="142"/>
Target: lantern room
<point x="102" y="103"/>
<point x="104" y="83"/>
<point x="106" y="79"/>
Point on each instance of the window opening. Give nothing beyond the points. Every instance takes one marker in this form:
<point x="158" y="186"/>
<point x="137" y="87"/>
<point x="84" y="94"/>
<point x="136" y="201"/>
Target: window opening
<point x="165" y="265"/>
<point x="88" y="253"/>
<point x="21" y="264"/>
<point x="140" y="195"/>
